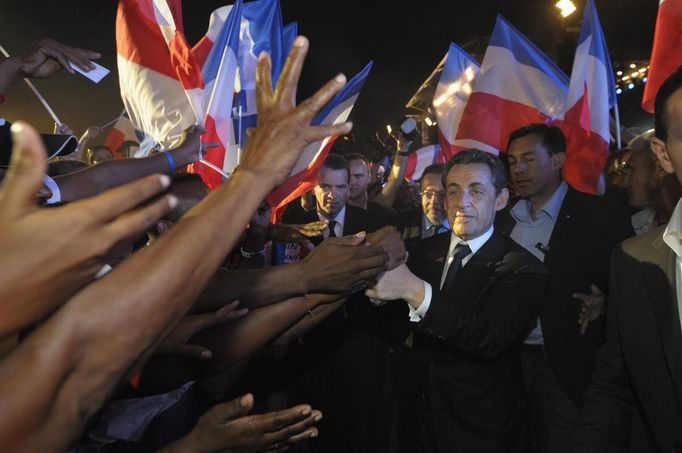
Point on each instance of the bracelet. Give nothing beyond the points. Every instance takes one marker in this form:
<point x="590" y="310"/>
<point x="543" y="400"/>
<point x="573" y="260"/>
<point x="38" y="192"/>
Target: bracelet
<point x="171" y="162"/>
<point x="306" y="298"/>
<point x="246" y="254"/>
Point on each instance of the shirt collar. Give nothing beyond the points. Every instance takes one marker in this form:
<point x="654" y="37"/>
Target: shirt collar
<point x="474" y="244"/>
<point x="672" y="235"/>
<point x="428" y="224"/>
<point x="340" y="217"/>
<point x="521" y="210"/>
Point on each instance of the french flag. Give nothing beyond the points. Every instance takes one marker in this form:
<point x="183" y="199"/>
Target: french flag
<point x="420" y="159"/>
<point x="455" y="85"/>
<point x="302" y="177"/>
<point x="219" y="73"/>
<point x="159" y="78"/>
<point x="666" y="56"/>
<point x="517" y="85"/>
<point x="591" y="95"/>
<point x="121" y="131"/>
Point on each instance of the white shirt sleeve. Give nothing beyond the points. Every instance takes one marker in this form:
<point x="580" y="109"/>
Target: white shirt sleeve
<point x="419" y="313"/>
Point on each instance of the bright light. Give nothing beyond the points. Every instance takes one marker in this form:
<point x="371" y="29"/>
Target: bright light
<point x="467" y="89"/>
<point x="634" y="74"/>
<point x="619" y="73"/>
<point x="454" y="87"/>
<point x="645" y="80"/>
<point x="631" y="86"/>
<point x="566" y="7"/>
<point x="428" y="121"/>
<point x="642" y="70"/>
<point x="619" y="91"/>
<point x="469" y="74"/>
<point x="388" y="128"/>
<point x="633" y="66"/>
<point x="439" y="101"/>
<point x="625" y="78"/>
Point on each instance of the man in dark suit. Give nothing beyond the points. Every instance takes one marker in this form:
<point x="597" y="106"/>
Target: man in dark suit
<point x="346" y="356"/>
<point x="573" y="233"/>
<point x="473" y="295"/>
<point x="634" y="402"/>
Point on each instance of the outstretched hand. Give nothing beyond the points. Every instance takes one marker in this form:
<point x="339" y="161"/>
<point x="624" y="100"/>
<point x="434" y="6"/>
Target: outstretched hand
<point x="227" y="427"/>
<point x="593" y="306"/>
<point x="46" y="57"/>
<point x="283" y="127"/>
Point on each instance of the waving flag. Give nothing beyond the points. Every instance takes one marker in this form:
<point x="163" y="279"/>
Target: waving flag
<point x="121" y="131"/>
<point x="517" y="85"/>
<point x="666" y="56"/>
<point x="452" y="93"/>
<point x="420" y="159"/>
<point x="159" y="79"/>
<point x="591" y="95"/>
<point x="302" y="177"/>
<point x="219" y="73"/>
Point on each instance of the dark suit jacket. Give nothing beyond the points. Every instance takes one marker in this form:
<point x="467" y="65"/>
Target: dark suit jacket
<point x="634" y="401"/>
<point x="471" y="338"/>
<point x="585" y="233"/>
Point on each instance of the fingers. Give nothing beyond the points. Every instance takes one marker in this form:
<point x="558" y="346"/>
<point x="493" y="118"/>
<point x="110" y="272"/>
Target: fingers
<point x="228" y="313"/>
<point x="196" y="351"/>
<point x="355" y="239"/>
<point x="25" y="175"/>
<point x="315" y="133"/>
<point x="263" y="82"/>
<point x="314" y="104"/>
<point x="583" y="297"/>
<point x="236" y="408"/>
<point x="288" y="79"/>
<point x="140" y="220"/>
<point x="290" y="422"/>
<point x="596" y="291"/>
<point x="112" y="203"/>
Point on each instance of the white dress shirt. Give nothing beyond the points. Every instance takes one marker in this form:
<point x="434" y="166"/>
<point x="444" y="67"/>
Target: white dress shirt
<point x="474" y="244"/>
<point x="672" y="236"/>
<point x="339" y="219"/>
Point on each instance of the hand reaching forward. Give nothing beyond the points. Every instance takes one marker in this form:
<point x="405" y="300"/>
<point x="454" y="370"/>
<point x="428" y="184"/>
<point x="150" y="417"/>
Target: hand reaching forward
<point x="593" y="306"/>
<point x="283" y="127"/>
<point x="50" y="253"/>
<point x="226" y="427"/>
<point x="47" y="56"/>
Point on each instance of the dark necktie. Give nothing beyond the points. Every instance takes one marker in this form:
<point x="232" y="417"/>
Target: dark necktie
<point x="460" y="252"/>
<point x="332" y="225"/>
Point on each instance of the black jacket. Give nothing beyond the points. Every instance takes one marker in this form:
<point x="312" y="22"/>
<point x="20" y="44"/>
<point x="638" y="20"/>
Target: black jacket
<point x="471" y="338"/>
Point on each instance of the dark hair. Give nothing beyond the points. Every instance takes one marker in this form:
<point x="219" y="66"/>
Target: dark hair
<point x="476" y="156"/>
<point x="189" y="189"/>
<point x="553" y="138"/>
<point x="669" y="87"/>
<point x="434" y="169"/>
<point x="337" y="162"/>
<point x="357" y="156"/>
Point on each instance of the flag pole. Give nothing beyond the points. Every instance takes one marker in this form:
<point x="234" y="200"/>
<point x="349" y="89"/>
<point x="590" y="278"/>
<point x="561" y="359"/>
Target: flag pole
<point x="617" y="114"/>
<point x="37" y="93"/>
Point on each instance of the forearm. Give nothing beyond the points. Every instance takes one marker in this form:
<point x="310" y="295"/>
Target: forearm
<point x="253" y="288"/>
<point x="390" y="191"/>
<point x="304" y="325"/>
<point x="240" y="339"/>
<point x="9" y="74"/>
<point x="113" y="173"/>
<point x="131" y="299"/>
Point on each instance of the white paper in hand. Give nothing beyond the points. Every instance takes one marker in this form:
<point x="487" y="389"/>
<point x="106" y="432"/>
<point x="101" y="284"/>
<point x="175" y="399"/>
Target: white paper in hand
<point x="95" y="75"/>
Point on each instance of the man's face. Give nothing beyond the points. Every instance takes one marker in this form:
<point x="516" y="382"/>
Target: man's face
<point x="639" y="183"/>
<point x="471" y="201"/>
<point x="359" y="178"/>
<point x="432" y="196"/>
<point x="669" y="152"/>
<point x="331" y="191"/>
<point x="531" y="167"/>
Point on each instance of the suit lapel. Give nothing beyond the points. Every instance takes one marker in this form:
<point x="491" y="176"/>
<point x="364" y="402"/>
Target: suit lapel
<point x="477" y="269"/>
<point x="563" y="227"/>
<point x="663" y="299"/>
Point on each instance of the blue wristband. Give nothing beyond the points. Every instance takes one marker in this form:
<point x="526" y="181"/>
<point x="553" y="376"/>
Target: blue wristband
<point x="171" y="162"/>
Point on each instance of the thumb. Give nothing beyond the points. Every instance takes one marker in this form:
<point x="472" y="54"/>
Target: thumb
<point x="25" y="174"/>
<point x="355" y="239"/>
<point x="236" y="408"/>
<point x="196" y="351"/>
<point x="595" y="290"/>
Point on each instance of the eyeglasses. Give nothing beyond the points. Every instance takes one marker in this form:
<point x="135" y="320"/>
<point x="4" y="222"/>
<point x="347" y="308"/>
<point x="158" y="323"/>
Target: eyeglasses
<point x="429" y="194"/>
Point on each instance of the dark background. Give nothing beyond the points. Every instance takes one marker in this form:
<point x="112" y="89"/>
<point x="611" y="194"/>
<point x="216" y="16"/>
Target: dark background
<point x="405" y="39"/>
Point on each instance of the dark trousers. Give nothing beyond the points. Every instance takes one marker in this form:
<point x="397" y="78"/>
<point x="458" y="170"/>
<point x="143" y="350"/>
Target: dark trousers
<point x="552" y="415"/>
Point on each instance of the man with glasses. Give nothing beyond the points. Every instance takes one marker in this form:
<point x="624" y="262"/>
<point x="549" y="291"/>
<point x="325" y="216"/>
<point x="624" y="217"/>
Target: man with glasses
<point x="432" y="220"/>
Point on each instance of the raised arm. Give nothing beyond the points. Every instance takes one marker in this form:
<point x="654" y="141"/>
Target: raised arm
<point x="66" y="369"/>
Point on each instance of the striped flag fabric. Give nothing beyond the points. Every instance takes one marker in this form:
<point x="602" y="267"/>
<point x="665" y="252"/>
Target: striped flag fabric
<point x="122" y="130"/>
<point x="591" y="95"/>
<point x="452" y="94"/>
<point x="665" y="54"/>
<point x="420" y="159"/>
<point x="302" y="177"/>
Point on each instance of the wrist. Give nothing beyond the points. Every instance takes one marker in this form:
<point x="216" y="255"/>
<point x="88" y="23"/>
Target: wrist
<point x="414" y="294"/>
<point x="303" y="277"/>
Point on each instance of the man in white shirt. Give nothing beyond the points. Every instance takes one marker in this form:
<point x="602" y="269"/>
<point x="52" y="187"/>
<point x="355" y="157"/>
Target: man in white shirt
<point x="473" y="295"/>
<point x="634" y="401"/>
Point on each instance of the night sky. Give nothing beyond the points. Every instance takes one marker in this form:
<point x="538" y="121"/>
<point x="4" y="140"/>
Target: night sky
<point x="405" y="39"/>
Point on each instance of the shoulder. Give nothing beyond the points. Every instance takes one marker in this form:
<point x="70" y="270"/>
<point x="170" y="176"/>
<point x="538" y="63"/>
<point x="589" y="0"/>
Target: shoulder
<point x="640" y="247"/>
<point x="433" y="246"/>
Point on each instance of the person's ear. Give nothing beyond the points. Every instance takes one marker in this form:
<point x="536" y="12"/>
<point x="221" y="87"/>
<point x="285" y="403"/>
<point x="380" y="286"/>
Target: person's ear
<point x="660" y="149"/>
<point x="558" y="161"/>
<point x="502" y="199"/>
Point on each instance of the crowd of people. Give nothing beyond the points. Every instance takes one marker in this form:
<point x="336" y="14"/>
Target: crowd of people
<point x="490" y="307"/>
